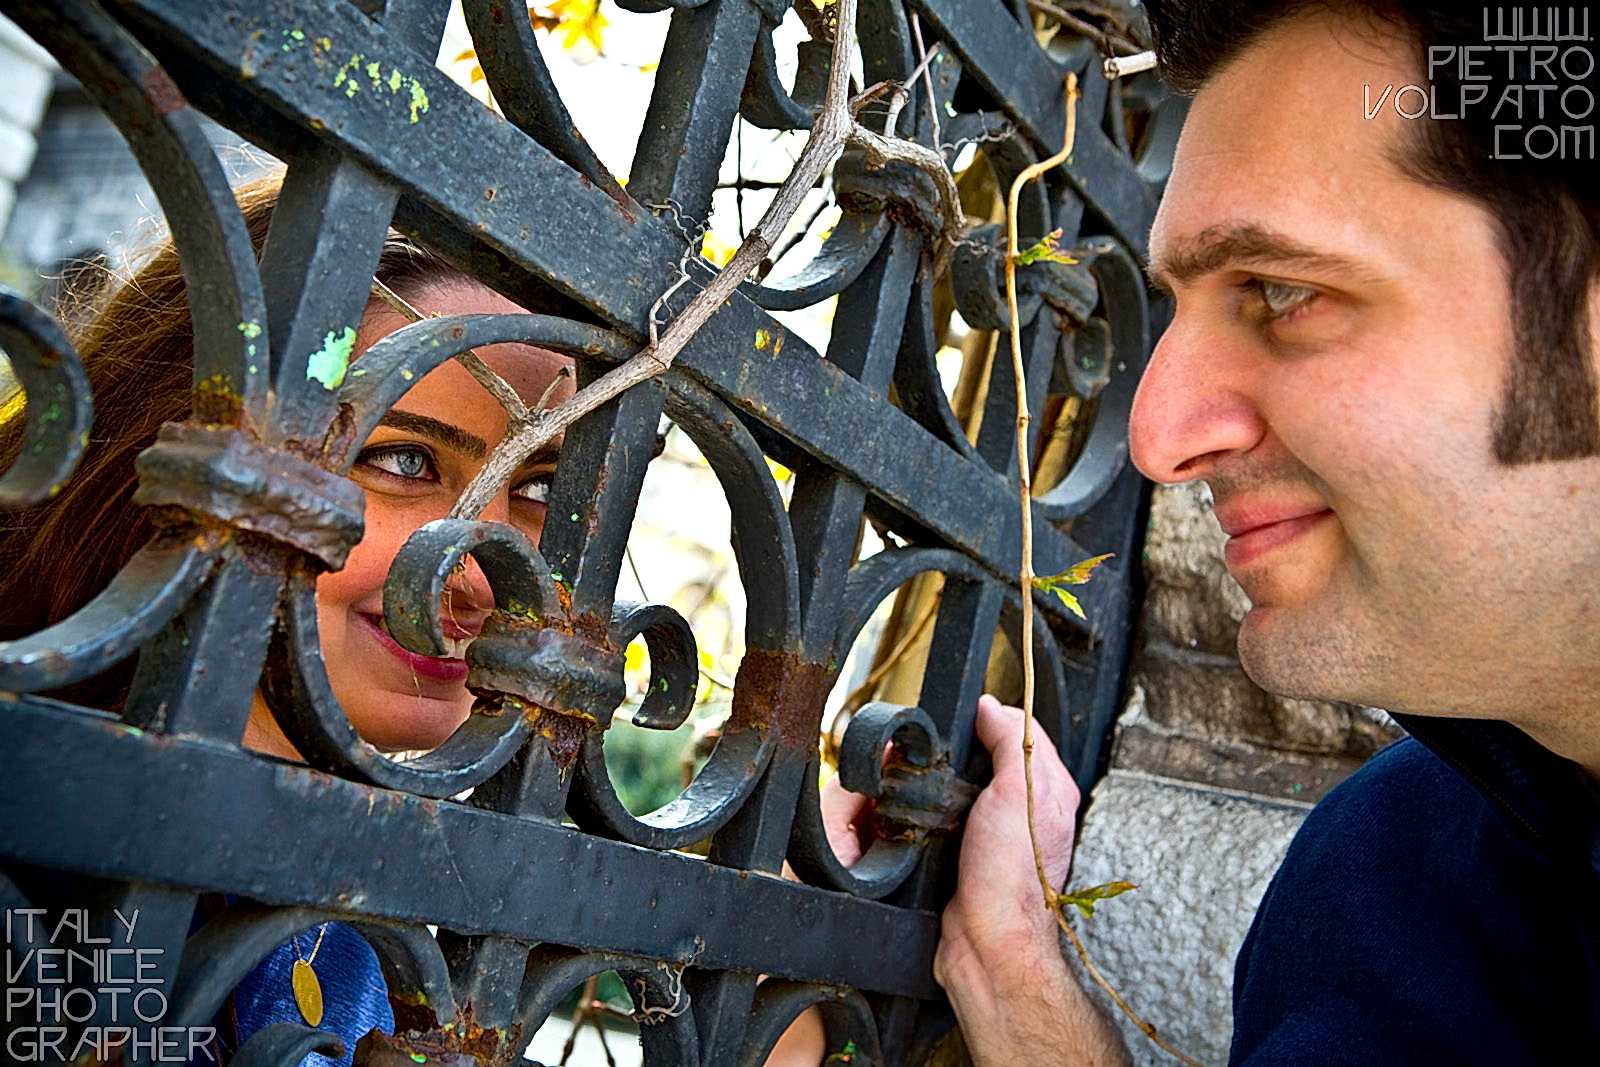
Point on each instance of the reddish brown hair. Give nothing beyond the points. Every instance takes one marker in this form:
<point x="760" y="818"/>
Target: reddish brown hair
<point x="137" y="345"/>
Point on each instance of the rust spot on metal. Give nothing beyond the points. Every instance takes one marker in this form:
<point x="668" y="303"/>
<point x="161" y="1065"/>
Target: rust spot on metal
<point x="162" y="91"/>
<point x="340" y="437"/>
<point x="217" y="402"/>
<point x="412" y="1014"/>
<point x="564" y="734"/>
<point x="919" y="802"/>
<point x="462" y="1043"/>
<point x="783" y="689"/>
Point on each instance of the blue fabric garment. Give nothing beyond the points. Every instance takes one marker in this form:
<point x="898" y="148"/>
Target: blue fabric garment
<point x="1420" y="917"/>
<point x="355" y="997"/>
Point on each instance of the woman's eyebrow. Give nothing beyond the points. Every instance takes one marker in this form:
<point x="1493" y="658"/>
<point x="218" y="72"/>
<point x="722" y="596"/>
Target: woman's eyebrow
<point x="452" y="437"/>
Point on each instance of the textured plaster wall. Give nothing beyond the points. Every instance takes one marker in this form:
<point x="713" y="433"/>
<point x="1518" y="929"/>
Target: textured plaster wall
<point x="1201" y="858"/>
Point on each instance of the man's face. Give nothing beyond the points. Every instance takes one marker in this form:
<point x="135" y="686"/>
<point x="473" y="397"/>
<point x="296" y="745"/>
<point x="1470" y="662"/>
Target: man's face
<point x="1340" y="340"/>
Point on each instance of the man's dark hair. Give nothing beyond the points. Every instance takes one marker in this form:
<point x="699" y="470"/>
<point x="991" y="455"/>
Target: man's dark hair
<point x="1548" y="210"/>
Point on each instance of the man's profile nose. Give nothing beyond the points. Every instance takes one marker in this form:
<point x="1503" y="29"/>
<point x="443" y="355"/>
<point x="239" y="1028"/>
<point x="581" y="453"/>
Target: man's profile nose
<point x="1189" y="412"/>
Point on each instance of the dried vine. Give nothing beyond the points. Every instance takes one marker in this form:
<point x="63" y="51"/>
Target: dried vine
<point x="1054" y="901"/>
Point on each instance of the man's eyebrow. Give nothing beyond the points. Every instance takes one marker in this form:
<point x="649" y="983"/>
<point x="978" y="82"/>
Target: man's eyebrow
<point x="452" y="437"/>
<point x="1217" y="247"/>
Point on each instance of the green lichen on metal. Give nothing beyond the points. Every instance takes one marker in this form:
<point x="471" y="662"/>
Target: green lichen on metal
<point x="375" y="72"/>
<point x="329" y="363"/>
<point x="395" y="80"/>
<point x="291" y="38"/>
<point x="348" y="75"/>
<point x="251" y="330"/>
<point x="419" y="99"/>
<point x="406" y="374"/>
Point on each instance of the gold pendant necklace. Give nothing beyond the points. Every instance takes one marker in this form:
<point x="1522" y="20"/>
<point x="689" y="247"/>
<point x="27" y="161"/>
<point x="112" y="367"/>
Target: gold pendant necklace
<point x="303" y="980"/>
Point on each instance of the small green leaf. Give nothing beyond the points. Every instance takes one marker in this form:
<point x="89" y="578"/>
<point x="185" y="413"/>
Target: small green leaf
<point x="847" y="1054"/>
<point x="1044" y="250"/>
<point x="1070" y="601"/>
<point x="1077" y="574"/>
<point x="1085" y="899"/>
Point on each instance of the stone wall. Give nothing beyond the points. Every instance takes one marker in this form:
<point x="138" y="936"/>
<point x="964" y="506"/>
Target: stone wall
<point x="27" y="72"/>
<point x="1210" y="777"/>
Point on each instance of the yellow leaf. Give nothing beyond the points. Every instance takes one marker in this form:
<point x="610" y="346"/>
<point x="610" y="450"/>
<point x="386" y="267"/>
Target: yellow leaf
<point x="470" y="53"/>
<point x="580" y="20"/>
<point x="633" y="657"/>
<point x="715" y="250"/>
<point x="780" y="473"/>
<point x="1080" y="573"/>
<point x="649" y="68"/>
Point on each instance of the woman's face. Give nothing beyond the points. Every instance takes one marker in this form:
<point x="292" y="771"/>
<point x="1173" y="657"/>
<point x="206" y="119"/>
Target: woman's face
<point x="412" y="469"/>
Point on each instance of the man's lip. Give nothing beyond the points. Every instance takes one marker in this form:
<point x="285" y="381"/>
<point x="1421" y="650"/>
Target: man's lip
<point x="1238" y="519"/>
<point x="1253" y="533"/>
<point x="443" y="668"/>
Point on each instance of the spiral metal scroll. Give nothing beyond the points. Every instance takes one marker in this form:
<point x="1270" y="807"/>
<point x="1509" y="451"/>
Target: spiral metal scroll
<point x="764" y="548"/>
<point x="59" y="408"/>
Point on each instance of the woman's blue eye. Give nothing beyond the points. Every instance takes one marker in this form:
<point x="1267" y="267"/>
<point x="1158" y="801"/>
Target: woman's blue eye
<point x="536" y="489"/>
<point x="401" y="462"/>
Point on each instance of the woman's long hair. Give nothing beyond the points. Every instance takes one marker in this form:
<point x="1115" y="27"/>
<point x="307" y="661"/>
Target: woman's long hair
<point x="137" y="345"/>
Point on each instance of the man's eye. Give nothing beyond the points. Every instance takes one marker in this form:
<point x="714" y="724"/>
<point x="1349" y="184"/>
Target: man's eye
<point x="402" y="462"/>
<point x="536" y="489"/>
<point x="1280" y="298"/>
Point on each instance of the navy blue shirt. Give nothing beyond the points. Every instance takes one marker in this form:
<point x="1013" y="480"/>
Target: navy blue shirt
<point x="1415" y="920"/>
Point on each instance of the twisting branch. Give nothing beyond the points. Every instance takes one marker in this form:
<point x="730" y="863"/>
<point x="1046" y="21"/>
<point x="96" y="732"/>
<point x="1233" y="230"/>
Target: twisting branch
<point x="495" y="385"/>
<point x="1109" y="43"/>
<point x="927" y="78"/>
<point x="1054" y="901"/>
<point x="834" y="129"/>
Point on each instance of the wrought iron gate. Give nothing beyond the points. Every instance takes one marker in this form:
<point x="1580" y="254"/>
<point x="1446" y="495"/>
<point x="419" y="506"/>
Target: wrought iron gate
<point x="151" y="809"/>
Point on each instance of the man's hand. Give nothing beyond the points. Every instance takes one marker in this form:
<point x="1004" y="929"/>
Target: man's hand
<point x="999" y="958"/>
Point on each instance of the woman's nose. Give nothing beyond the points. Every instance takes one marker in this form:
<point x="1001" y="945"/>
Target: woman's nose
<point x="1194" y="407"/>
<point x="467" y="594"/>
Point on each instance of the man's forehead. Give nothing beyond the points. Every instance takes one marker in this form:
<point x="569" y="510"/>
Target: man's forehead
<point x="1277" y="155"/>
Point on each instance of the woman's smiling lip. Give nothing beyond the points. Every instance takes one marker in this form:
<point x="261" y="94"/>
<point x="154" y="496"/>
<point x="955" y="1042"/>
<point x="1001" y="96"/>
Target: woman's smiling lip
<point x="442" y="668"/>
<point x="1252" y="535"/>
